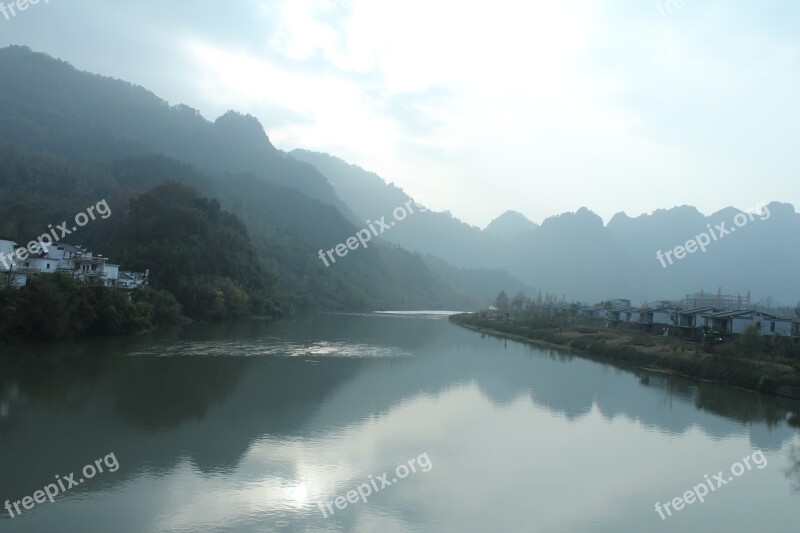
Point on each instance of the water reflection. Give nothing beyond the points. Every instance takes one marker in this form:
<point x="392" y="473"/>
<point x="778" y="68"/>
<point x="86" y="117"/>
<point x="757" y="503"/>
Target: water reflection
<point x="255" y="423"/>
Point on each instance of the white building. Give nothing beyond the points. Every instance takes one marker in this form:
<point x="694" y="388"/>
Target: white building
<point x="775" y="326"/>
<point x="691" y="320"/>
<point x="659" y="316"/>
<point x="737" y="321"/>
<point x="74" y="260"/>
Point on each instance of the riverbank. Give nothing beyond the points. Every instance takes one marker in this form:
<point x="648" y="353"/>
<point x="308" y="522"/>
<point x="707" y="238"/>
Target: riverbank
<point x="649" y="352"/>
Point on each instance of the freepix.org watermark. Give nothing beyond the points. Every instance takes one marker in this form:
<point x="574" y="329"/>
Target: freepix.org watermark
<point x="11" y="9"/>
<point x="699" y="492"/>
<point x="362" y="237"/>
<point x="56" y="234"/>
<point x="52" y="490"/>
<point x="715" y="233"/>
<point x="366" y="489"/>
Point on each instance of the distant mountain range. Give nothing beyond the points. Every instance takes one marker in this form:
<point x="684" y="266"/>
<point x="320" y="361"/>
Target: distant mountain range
<point x="297" y="203"/>
<point x="576" y="255"/>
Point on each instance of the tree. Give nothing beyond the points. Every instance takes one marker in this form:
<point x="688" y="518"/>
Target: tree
<point x="9" y="279"/>
<point x="750" y="339"/>
<point x="519" y="301"/>
<point x="501" y="302"/>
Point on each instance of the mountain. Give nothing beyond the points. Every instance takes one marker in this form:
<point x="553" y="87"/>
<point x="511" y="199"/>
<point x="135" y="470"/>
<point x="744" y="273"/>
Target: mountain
<point x="369" y="197"/>
<point x="509" y="226"/>
<point x="125" y="140"/>
<point x="47" y="105"/>
<point x="463" y="256"/>
<point x="481" y="284"/>
<point x="114" y="140"/>
<point x="576" y="255"/>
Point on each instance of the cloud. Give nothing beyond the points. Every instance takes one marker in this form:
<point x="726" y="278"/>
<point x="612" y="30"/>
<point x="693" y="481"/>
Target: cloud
<point x="539" y="107"/>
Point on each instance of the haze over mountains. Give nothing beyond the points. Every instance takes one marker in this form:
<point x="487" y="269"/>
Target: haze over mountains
<point x="295" y="204"/>
<point x="577" y="255"/>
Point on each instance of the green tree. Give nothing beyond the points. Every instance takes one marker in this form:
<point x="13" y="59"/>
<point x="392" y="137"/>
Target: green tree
<point x="501" y="302"/>
<point x="519" y="301"/>
<point x="750" y="340"/>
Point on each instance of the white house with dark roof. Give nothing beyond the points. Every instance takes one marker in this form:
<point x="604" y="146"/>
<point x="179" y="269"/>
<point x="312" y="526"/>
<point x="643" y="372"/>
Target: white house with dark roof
<point x="729" y="321"/>
<point x="691" y="320"/>
<point x="62" y="257"/>
<point x="659" y="316"/>
<point x="735" y="322"/>
<point x="631" y="315"/>
<point x="777" y="326"/>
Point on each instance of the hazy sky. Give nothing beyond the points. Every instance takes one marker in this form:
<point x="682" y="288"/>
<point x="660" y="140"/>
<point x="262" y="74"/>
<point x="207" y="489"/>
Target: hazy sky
<point x="479" y="107"/>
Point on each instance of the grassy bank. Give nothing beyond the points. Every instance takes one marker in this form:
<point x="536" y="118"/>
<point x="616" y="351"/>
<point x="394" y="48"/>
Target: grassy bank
<point x="769" y="375"/>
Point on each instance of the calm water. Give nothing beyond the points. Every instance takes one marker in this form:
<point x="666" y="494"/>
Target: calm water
<point x="249" y="427"/>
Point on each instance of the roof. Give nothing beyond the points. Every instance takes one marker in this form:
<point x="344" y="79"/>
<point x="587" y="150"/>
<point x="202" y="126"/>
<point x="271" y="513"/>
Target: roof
<point x="775" y="317"/>
<point x="697" y="310"/>
<point x="659" y="308"/>
<point x="729" y="314"/>
<point x="141" y="276"/>
<point x="70" y="248"/>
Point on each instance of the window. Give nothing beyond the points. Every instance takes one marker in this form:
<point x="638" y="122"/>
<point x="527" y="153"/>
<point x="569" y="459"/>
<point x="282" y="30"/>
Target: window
<point x="772" y="327"/>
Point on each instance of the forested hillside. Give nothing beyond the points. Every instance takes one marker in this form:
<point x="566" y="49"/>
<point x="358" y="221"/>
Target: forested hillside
<point x="263" y="259"/>
<point x="110" y="139"/>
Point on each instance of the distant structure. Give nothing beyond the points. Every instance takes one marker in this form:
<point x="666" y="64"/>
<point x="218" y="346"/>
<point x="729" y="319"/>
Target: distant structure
<point x="74" y="260"/>
<point x="696" y="316"/>
<point x="620" y="303"/>
<point x="718" y="300"/>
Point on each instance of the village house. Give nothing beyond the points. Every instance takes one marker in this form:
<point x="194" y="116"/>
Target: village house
<point x="690" y="321"/>
<point x="614" y="317"/>
<point x="595" y="312"/>
<point x="654" y="319"/>
<point x="74" y="260"/>
<point x="629" y="315"/>
<point x="735" y="322"/>
<point x="775" y="325"/>
<point x="730" y="322"/>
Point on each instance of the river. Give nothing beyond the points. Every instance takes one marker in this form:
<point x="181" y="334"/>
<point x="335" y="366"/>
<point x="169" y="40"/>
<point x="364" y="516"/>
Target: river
<point x="379" y="422"/>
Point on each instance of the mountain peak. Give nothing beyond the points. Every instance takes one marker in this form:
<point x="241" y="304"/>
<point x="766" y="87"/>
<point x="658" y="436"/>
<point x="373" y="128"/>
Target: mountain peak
<point x="582" y="218"/>
<point x="245" y="130"/>
<point x="509" y="225"/>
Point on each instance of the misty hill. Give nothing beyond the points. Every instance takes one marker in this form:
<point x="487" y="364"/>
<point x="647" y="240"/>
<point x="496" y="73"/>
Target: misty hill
<point x="478" y="283"/>
<point x="48" y="105"/>
<point x="288" y="228"/>
<point x="577" y="255"/>
<point x="290" y="208"/>
<point x="285" y="228"/>
<point x="509" y="226"/>
<point x="117" y="140"/>
<point x="293" y="205"/>
<point x="369" y="197"/>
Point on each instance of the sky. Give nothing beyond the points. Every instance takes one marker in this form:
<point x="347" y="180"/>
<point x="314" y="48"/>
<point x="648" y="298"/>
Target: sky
<point x="476" y="107"/>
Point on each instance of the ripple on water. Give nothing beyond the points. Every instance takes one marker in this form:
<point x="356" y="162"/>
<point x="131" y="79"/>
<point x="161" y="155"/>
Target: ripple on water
<point x="237" y="348"/>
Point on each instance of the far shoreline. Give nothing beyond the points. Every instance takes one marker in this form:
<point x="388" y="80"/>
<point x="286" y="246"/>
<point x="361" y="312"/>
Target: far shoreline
<point x="750" y="375"/>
